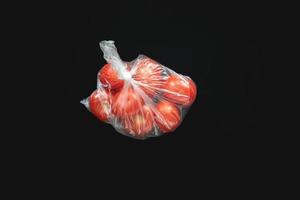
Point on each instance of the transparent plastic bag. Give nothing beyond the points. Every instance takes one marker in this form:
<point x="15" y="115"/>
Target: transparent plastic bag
<point x="141" y="98"/>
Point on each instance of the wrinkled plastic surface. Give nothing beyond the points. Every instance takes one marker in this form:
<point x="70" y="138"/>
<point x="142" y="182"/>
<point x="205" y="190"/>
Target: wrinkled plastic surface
<point x="141" y="98"/>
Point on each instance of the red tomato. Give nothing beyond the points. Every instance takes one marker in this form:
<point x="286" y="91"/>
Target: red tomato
<point x="109" y="77"/>
<point x="149" y="75"/>
<point x="99" y="104"/>
<point x="180" y="90"/>
<point x="126" y="102"/>
<point x="168" y="116"/>
<point x="140" y="124"/>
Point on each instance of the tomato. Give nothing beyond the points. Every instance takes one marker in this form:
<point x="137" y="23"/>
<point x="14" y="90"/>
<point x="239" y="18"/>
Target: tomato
<point x="126" y="102"/>
<point x="99" y="104"/>
<point x="180" y="90"/>
<point x="149" y="75"/>
<point x="110" y="79"/>
<point x="140" y="124"/>
<point x="167" y="116"/>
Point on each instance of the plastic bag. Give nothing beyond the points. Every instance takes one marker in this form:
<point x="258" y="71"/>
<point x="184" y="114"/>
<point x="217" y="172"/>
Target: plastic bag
<point x="141" y="98"/>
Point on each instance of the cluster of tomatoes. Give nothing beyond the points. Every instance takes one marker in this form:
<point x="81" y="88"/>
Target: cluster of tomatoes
<point x="148" y="102"/>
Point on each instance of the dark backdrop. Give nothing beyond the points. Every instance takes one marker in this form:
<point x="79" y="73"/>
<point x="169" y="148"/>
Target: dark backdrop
<point x="229" y="48"/>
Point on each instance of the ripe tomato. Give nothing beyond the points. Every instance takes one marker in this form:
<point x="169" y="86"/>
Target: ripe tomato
<point x="149" y="75"/>
<point x="126" y="102"/>
<point x="110" y="79"/>
<point x="139" y="124"/>
<point x="99" y="104"/>
<point x="180" y="90"/>
<point x="168" y="116"/>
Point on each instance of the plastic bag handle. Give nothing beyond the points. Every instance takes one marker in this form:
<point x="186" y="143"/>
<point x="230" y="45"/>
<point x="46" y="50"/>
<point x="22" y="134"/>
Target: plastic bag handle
<point x="112" y="57"/>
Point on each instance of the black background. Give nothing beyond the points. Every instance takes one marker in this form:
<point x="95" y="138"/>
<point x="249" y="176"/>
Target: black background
<point x="220" y="45"/>
<point x="234" y="51"/>
<point x="229" y="48"/>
